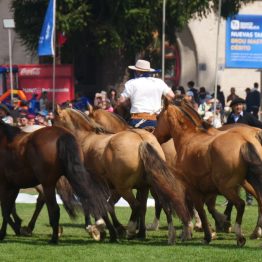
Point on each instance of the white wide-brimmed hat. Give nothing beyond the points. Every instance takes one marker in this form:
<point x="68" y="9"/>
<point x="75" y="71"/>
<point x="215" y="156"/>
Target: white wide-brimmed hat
<point x="142" y="65"/>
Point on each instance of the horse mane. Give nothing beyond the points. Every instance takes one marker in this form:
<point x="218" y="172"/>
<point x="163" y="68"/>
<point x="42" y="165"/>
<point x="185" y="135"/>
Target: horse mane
<point x="115" y="116"/>
<point x="92" y="124"/>
<point x="193" y="116"/>
<point x="9" y="131"/>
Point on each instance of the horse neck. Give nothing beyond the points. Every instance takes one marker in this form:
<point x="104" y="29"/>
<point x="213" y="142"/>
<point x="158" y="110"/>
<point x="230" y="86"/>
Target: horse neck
<point x="181" y="129"/>
<point x="109" y="122"/>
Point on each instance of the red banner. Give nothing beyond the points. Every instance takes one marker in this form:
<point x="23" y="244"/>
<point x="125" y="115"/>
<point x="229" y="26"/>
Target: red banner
<point x="34" y="79"/>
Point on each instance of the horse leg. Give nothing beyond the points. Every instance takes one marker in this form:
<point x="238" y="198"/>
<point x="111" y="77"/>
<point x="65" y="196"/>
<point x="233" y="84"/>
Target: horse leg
<point x="171" y="228"/>
<point x="53" y="212"/>
<point x="143" y="194"/>
<point x="233" y="196"/>
<point x="228" y="211"/>
<point x="257" y="231"/>
<point x="121" y="231"/>
<point x="27" y="230"/>
<point x="111" y="229"/>
<point x="135" y="206"/>
<point x="199" y="205"/>
<point x="222" y="225"/>
<point x="8" y="198"/>
<point x="17" y="219"/>
<point x="155" y="225"/>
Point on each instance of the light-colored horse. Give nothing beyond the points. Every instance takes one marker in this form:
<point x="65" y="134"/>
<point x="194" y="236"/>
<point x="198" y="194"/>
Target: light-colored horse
<point x="127" y="160"/>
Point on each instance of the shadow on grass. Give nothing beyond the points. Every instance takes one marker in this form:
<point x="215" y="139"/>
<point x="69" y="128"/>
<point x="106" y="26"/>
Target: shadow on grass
<point x="154" y="241"/>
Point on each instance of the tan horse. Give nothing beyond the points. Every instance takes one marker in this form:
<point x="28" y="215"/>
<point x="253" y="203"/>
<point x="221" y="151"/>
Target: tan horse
<point x="127" y="160"/>
<point x="212" y="162"/>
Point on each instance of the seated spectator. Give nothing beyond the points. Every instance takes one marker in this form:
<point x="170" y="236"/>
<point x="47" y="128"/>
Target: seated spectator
<point x="33" y="106"/>
<point x="44" y="103"/>
<point x="202" y="95"/>
<point x="112" y="96"/>
<point x="40" y="118"/>
<point x="232" y="96"/>
<point x="31" y="119"/>
<point x="98" y="100"/>
<point x="5" y="114"/>
<point x="205" y="106"/>
<point x="189" y="97"/>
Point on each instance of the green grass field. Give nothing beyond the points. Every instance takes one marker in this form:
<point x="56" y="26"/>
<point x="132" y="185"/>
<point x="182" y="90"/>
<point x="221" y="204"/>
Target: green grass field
<point x="76" y="245"/>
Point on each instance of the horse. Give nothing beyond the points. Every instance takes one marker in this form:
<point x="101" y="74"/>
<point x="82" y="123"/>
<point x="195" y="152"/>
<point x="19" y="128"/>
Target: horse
<point x="30" y="159"/>
<point x="206" y="155"/>
<point x="128" y="159"/>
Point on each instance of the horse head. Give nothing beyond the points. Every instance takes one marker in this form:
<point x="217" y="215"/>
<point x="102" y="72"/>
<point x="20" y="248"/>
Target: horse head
<point x="75" y="120"/>
<point x="7" y="133"/>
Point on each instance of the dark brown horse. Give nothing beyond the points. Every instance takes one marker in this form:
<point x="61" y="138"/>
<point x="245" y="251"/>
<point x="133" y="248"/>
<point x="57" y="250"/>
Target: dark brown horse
<point x="42" y="157"/>
<point x="212" y="162"/>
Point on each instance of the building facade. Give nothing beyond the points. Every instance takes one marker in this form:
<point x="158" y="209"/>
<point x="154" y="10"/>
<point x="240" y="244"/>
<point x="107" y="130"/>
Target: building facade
<point x="197" y="47"/>
<point x="194" y="57"/>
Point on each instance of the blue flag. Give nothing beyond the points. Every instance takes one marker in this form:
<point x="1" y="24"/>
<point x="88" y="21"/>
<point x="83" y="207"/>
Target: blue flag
<point x="46" y="39"/>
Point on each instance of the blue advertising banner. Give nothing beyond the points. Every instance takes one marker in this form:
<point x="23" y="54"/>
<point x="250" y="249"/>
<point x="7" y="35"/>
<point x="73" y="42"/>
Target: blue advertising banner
<point x="46" y="39"/>
<point x="244" y="41"/>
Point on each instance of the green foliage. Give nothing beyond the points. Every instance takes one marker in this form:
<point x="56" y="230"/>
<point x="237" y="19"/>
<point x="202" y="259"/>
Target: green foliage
<point x="104" y="25"/>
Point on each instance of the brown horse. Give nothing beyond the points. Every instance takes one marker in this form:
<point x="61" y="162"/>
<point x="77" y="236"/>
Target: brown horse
<point x="128" y="159"/>
<point x="212" y="162"/>
<point x="40" y="158"/>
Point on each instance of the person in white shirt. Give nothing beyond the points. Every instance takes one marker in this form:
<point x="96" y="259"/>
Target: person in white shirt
<point x="145" y="95"/>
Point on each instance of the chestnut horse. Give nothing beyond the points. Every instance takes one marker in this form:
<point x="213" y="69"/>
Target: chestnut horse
<point x="29" y="159"/>
<point x="212" y="162"/>
<point x="127" y="160"/>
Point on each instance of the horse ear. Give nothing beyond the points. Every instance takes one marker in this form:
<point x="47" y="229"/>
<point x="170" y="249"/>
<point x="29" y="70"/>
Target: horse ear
<point x="58" y="110"/>
<point x="165" y="103"/>
<point x="90" y="109"/>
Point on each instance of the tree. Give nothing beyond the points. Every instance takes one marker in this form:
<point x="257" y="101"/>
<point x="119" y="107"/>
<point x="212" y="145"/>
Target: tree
<point x="104" y="25"/>
<point x="96" y="29"/>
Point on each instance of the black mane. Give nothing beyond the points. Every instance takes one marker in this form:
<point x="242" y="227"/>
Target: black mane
<point x="9" y="131"/>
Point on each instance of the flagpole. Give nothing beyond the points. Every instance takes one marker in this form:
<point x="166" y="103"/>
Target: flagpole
<point x="54" y="57"/>
<point x="163" y="39"/>
<point x="216" y="60"/>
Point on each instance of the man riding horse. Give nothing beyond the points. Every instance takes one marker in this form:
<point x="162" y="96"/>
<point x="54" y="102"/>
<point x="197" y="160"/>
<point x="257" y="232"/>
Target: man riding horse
<point x="144" y="93"/>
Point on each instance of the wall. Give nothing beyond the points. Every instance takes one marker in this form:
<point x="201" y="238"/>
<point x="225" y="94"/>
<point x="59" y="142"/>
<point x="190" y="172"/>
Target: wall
<point x="197" y="44"/>
<point x="19" y="53"/>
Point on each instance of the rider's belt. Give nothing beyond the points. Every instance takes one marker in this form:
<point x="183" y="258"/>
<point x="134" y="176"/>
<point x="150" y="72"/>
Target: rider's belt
<point x="145" y="116"/>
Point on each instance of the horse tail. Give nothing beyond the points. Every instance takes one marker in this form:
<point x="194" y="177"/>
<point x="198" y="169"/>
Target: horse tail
<point x="67" y="195"/>
<point x="92" y="194"/>
<point x="254" y="174"/>
<point x="169" y="191"/>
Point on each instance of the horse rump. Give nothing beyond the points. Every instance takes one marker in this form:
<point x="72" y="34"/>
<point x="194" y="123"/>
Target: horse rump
<point x="92" y="194"/>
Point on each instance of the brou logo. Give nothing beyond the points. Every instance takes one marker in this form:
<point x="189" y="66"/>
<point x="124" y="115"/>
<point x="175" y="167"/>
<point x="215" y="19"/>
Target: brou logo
<point x="235" y="25"/>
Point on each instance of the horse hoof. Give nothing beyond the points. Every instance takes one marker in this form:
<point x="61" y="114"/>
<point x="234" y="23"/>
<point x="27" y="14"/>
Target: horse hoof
<point x="206" y="242"/>
<point x="60" y="231"/>
<point x="198" y="228"/>
<point x="152" y="227"/>
<point x="25" y="231"/>
<point x="94" y="232"/>
<point x="214" y="235"/>
<point x="241" y="241"/>
<point x="53" y="242"/>
<point x="103" y="236"/>
<point x="2" y="236"/>
<point x="100" y="224"/>
<point x="121" y="232"/>
<point x="171" y="240"/>
<point x="256" y="234"/>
